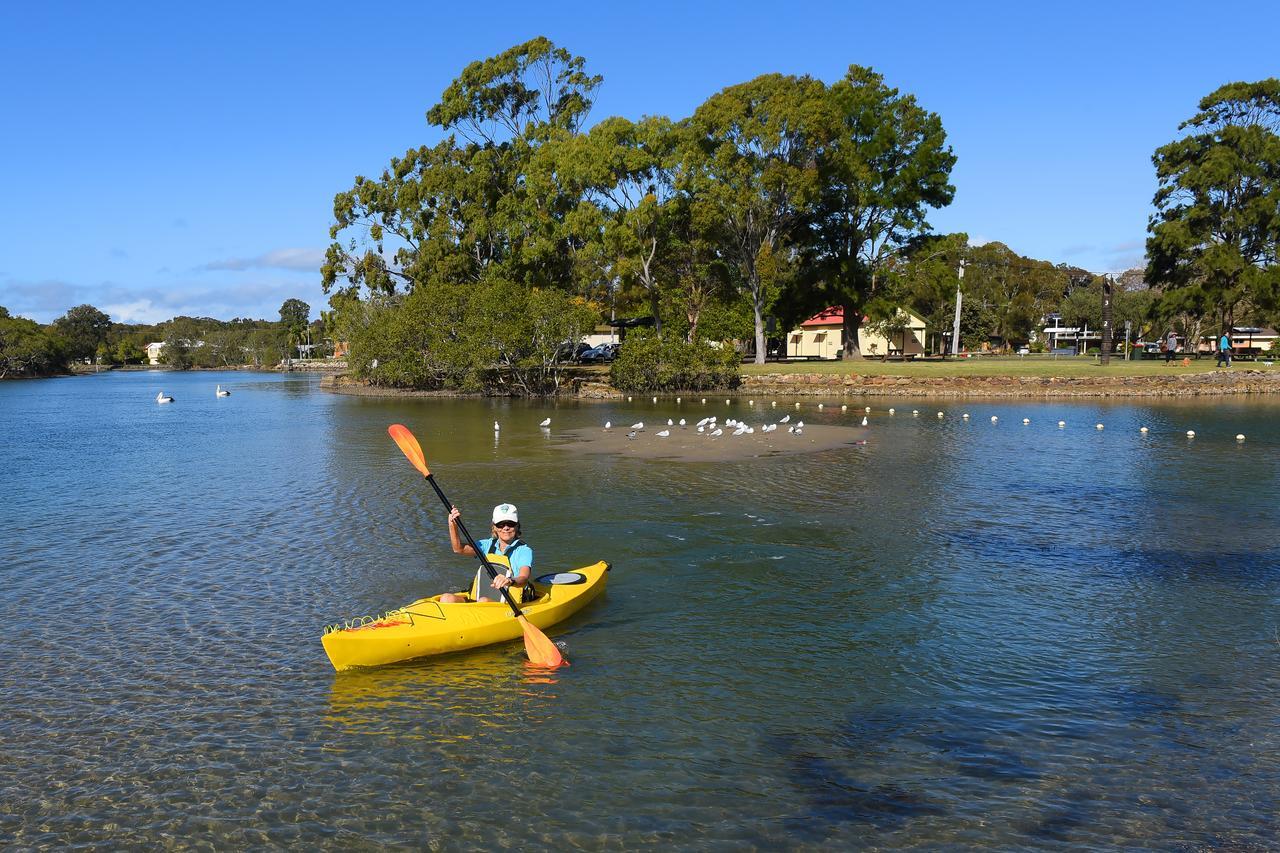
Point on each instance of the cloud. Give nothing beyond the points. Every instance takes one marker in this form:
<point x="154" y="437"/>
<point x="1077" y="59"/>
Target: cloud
<point x="979" y="240"/>
<point x="306" y="260"/>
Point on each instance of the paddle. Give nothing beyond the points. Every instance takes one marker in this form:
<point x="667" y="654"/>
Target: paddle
<point x="537" y="645"/>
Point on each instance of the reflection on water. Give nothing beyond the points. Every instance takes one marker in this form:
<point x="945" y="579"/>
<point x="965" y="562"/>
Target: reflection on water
<point x="963" y="633"/>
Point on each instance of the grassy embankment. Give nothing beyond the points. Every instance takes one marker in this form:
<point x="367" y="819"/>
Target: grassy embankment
<point x="1066" y="367"/>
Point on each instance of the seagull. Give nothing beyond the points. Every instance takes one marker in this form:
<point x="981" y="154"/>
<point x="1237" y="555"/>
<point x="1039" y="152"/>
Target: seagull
<point x="864" y="421"/>
<point x="631" y="434"/>
<point x="670" y="422"/>
<point x="496" y="426"/>
<point x="791" y="429"/>
<point x="844" y="408"/>
<point x="717" y="431"/>
<point x="702" y="429"/>
<point x="161" y="398"/>
<point x="664" y="433"/>
<point x="891" y="411"/>
<point x="785" y="420"/>
<point x="608" y="424"/>
<point x="219" y="392"/>
<point x="799" y="431"/>
<point x="682" y="422"/>
<point x="799" y="424"/>
<point x="638" y="425"/>
<point x="545" y="423"/>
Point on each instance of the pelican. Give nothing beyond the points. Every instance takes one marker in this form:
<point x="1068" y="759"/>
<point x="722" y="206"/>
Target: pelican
<point x="545" y="423"/>
<point x="161" y="398"/>
<point x="219" y="392"/>
<point x="638" y="425"/>
<point x="864" y="421"/>
<point x="664" y="433"/>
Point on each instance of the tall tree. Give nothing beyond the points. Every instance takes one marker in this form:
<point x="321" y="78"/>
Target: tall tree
<point x="754" y="159"/>
<point x="83" y="328"/>
<point x="1215" y="234"/>
<point x="883" y="163"/>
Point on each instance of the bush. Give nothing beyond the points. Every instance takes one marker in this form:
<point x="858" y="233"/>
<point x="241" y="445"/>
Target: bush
<point x="648" y="363"/>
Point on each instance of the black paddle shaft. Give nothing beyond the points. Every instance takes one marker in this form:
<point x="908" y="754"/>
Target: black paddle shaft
<point x="488" y="567"/>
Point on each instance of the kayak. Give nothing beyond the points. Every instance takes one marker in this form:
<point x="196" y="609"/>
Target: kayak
<point x="429" y="627"/>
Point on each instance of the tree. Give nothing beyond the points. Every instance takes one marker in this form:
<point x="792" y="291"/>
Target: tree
<point x="752" y="157"/>
<point x="83" y="328"/>
<point x="26" y="349"/>
<point x="295" y="316"/>
<point x="181" y="338"/>
<point x="883" y="161"/>
<point x="1215" y="233"/>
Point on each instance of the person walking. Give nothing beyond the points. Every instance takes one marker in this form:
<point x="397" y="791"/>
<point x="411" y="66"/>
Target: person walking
<point x="1170" y="346"/>
<point x="1224" y="349"/>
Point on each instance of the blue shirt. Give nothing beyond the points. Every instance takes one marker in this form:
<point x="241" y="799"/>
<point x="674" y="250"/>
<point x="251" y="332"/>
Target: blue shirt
<point x="519" y="556"/>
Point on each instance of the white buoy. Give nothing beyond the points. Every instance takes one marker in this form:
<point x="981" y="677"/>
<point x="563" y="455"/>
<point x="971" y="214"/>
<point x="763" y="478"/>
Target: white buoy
<point x="1099" y="426"/>
<point x="726" y="401"/>
<point x="655" y="399"/>
<point x="1061" y="424"/>
<point x="891" y="411"/>
<point x="867" y="410"/>
<point x="915" y="413"/>
<point x="819" y="407"/>
<point x="751" y="402"/>
<point x="844" y="408"/>
<point x="704" y="401"/>
<point x="1143" y="430"/>
<point x="545" y="423"/>
<point x="994" y="418"/>
<point x="864" y="421"/>
<point x="774" y="404"/>
<point x="1026" y="420"/>
<point x="677" y="400"/>
<point x="797" y="405"/>
<point x="1239" y="436"/>
<point x="1191" y="433"/>
<point x="965" y="416"/>
<point x="939" y="415"/>
<point x="628" y="399"/>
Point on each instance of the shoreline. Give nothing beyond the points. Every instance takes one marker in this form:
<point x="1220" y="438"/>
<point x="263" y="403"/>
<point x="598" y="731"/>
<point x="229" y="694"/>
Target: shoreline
<point x="1207" y="384"/>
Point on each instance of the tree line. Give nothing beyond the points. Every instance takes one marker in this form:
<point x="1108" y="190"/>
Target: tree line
<point x="85" y="334"/>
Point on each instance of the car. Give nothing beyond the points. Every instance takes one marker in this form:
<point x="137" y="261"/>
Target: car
<point x="600" y="354"/>
<point x="569" y="351"/>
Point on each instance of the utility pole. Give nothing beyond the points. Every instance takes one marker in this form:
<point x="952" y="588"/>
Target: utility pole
<point x="955" y="327"/>
<point x="1106" y="319"/>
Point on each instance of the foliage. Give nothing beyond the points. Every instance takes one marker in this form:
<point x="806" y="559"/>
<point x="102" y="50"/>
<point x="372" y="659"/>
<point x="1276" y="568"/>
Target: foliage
<point x="28" y="350"/>
<point x="1215" y="234"/>
<point x="648" y="362"/>
<point x="83" y="329"/>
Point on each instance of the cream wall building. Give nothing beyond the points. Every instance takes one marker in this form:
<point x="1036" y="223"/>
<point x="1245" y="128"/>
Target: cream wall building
<point x="822" y="337"/>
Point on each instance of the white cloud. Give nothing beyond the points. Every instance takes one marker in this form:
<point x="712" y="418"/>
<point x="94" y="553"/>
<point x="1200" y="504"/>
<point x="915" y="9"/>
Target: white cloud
<point x="306" y="260"/>
<point x="979" y="240"/>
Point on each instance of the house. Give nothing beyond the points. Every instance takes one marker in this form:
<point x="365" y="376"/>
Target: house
<point x="1253" y="340"/>
<point x="822" y="337"/>
<point x="153" y="352"/>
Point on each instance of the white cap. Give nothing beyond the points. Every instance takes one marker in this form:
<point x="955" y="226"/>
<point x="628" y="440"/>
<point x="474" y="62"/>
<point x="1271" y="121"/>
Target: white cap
<point x="505" y="512"/>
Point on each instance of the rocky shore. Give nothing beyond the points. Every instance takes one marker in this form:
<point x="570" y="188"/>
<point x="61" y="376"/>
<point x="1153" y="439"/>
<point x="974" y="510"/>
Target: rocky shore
<point x="1212" y="383"/>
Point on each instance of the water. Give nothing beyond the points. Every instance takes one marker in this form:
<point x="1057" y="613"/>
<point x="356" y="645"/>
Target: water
<point x="960" y="634"/>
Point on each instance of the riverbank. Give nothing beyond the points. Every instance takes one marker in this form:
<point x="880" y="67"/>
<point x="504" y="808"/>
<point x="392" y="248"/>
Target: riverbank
<point x="1177" y="382"/>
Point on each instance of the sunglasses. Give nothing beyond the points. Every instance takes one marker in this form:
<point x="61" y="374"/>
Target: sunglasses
<point x="505" y="524"/>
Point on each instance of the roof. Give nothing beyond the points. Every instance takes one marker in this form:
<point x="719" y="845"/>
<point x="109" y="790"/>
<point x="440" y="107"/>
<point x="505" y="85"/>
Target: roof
<point x="834" y="316"/>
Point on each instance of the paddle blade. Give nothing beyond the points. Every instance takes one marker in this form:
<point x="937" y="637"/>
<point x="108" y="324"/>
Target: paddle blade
<point x="538" y="646"/>
<point x="410" y="447"/>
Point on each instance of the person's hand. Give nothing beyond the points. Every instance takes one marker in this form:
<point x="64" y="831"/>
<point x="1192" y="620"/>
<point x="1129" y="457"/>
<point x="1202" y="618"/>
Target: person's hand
<point x="501" y="582"/>
<point x="454" y="515"/>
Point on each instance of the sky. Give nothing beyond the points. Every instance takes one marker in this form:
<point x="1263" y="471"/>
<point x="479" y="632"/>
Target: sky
<point x="161" y="159"/>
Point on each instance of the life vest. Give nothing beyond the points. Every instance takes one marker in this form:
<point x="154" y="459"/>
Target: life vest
<point x="482" y="585"/>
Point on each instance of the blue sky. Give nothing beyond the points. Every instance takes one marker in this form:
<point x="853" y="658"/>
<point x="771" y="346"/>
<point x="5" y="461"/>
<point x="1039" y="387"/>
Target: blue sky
<point x="163" y="159"/>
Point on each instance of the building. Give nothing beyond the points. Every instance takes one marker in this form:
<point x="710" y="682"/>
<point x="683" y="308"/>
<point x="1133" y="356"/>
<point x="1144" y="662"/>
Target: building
<point x="822" y="337"/>
<point x="153" y="352"/>
<point x="1077" y="339"/>
<point x="1253" y="340"/>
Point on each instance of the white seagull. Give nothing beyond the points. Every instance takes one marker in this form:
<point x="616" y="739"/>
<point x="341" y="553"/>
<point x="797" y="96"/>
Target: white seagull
<point x="717" y="431"/>
<point x="664" y="433"/>
<point x="682" y="422"/>
<point x="638" y="425"/>
<point x="545" y="423"/>
<point x="787" y="419"/>
<point x="608" y="424"/>
<point x="864" y="421"/>
<point x="219" y="392"/>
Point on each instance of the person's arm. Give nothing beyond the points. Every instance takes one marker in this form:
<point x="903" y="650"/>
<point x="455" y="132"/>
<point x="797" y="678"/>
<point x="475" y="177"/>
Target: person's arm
<point x="459" y="547"/>
<point x="521" y="569"/>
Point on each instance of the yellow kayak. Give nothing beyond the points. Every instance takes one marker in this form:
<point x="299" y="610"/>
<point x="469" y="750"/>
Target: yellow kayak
<point x="428" y="627"/>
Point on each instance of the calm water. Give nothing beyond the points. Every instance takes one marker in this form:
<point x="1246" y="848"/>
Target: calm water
<point x="960" y="634"/>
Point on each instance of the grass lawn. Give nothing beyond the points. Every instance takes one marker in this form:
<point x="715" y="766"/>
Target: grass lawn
<point x="1065" y="366"/>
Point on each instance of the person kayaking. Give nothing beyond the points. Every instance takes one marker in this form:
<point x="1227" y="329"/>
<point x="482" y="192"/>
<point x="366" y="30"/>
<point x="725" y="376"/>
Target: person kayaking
<point x="504" y="549"/>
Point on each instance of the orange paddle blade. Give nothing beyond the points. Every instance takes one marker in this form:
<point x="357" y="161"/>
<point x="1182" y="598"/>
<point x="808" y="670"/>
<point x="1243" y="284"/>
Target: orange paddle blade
<point x="538" y="646"/>
<point x="409" y="445"/>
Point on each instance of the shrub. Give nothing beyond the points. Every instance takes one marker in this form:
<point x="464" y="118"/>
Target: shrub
<point x="649" y="363"/>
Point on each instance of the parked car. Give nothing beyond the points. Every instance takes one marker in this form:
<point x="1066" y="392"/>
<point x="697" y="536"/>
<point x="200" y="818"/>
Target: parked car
<point x="568" y="351"/>
<point x="600" y="354"/>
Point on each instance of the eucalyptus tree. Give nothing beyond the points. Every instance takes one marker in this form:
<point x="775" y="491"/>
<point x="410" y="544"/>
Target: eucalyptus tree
<point x="883" y="162"/>
<point x="753" y="158"/>
<point x="83" y="328"/>
<point x="1215" y="234"/>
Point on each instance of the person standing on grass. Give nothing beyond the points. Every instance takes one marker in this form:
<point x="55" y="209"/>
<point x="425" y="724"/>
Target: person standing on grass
<point x="1224" y="349"/>
<point x="1170" y="346"/>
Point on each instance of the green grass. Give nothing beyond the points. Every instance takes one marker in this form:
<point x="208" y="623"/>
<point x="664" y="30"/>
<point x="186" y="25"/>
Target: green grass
<point x="1067" y="366"/>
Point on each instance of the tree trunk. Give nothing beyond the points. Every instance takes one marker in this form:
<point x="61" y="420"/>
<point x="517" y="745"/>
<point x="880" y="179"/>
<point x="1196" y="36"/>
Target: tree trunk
<point x="653" y="308"/>
<point x="852" y="321"/>
<point x="760" y="351"/>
